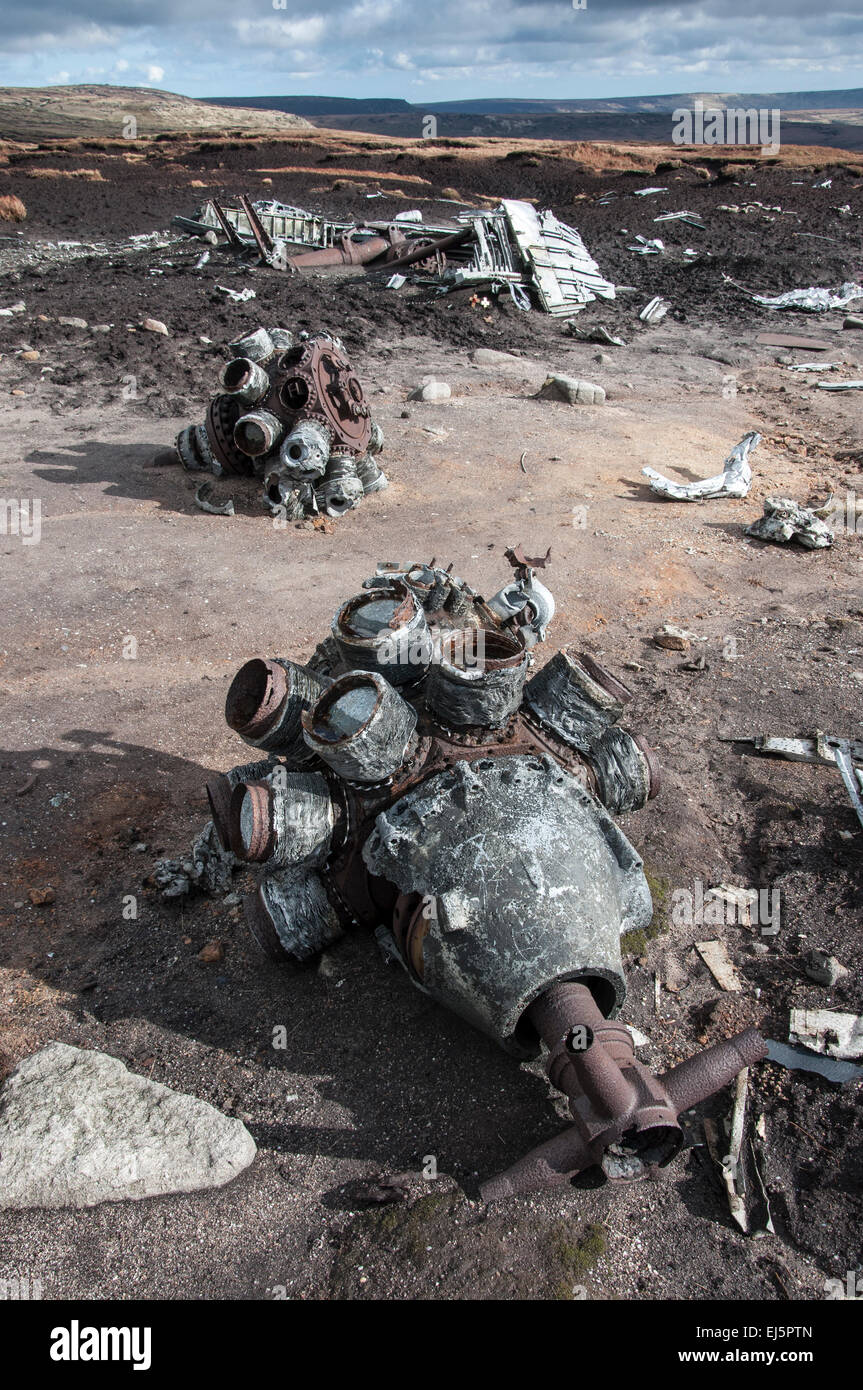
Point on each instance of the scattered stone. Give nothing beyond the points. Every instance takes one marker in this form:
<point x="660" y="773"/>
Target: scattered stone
<point x="212" y="953"/>
<point x="41" y="896"/>
<point x="29" y="355"/>
<point x="431" y="391"/>
<point x="673" y="639"/>
<point x="571" y="390"/>
<point x="77" y="1128"/>
<point x="853" y="321"/>
<point x="154" y="326"/>
<point x="73" y="322"/>
<point x="824" y="969"/>
<point x="491" y="357"/>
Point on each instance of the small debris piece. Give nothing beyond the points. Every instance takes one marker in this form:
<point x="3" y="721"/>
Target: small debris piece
<point x="643" y="192"/>
<point x="236" y="296"/>
<point x="690" y="217"/>
<point x="732" y="1169"/>
<point x="591" y="335"/>
<point x="840" y="386"/>
<point x="853" y="321"/>
<point x="790" y="340"/>
<point x="155" y="326"/>
<point x="827" y="1032"/>
<point x="798" y="1059"/>
<point x="824" y="749"/>
<point x="655" y="310"/>
<point x="735" y="479"/>
<point x="209" y="868"/>
<point x="785" y="520"/>
<point x="202" y="500"/>
<point x="812" y="366"/>
<point x="815" y="299"/>
<point x="715" y="957"/>
<point x="571" y="390"/>
<point x="383" y="1190"/>
<point x="824" y="969"/>
<point x="647" y="247"/>
<point x="740" y="900"/>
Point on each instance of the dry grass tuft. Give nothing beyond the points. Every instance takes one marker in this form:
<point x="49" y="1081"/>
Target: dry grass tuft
<point x="11" y="208"/>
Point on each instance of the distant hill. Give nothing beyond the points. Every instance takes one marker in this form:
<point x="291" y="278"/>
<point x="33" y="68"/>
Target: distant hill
<point x="319" y="106"/>
<point x="849" y="100"/>
<point x="66" y="113"/>
<point x="832" y="119"/>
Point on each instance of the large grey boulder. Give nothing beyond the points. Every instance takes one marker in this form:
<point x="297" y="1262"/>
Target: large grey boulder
<point x="77" y="1128"/>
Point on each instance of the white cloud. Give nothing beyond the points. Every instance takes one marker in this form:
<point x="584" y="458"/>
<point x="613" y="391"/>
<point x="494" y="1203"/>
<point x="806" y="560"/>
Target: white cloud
<point x="154" y="72"/>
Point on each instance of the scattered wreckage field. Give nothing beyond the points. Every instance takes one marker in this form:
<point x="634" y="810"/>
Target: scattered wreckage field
<point x="109" y="744"/>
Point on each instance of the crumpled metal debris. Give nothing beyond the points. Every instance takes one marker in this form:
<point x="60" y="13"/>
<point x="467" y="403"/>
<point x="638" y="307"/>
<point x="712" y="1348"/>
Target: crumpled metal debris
<point x="597" y="334"/>
<point x="735" y="479"/>
<point x="236" y="296"/>
<point x="513" y="247"/>
<point x="406" y="760"/>
<point x="654" y="246"/>
<point x="814" y="299"/>
<point x="202" y="500"/>
<point x="691" y="218"/>
<point x="840" y="385"/>
<point x="825" y="1031"/>
<point x="291" y="412"/>
<point x="800" y="1059"/>
<point x="785" y="520"/>
<point x="824" y="749"/>
<point x="655" y="310"/>
<point x="208" y="868"/>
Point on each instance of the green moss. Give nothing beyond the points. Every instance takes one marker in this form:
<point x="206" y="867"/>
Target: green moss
<point x="634" y="943"/>
<point x="573" y="1256"/>
<point x="403" y="1230"/>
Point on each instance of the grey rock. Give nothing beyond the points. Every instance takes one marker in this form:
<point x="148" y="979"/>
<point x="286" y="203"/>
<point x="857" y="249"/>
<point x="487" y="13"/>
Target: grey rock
<point x="72" y="322"/>
<point x="431" y="391"/>
<point x="575" y="392"/>
<point x="77" y="1128"/>
<point x="824" y="969"/>
<point x="492" y="357"/>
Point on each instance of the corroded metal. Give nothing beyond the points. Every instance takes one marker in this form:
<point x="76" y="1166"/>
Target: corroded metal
<point x="418" y="788"/>
<point x="625" y="1118"/>
<point x="292" y="412"/>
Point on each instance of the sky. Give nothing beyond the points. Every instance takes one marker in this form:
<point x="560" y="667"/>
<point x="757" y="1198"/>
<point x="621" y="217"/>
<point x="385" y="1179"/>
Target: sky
<point x="436" y="50"/>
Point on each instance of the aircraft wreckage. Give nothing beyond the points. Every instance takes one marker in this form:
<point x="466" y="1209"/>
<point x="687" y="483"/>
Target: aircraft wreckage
<point x="291" y="412"/>
<point x="418" y="782"/>
<point x="533" y="255"/>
